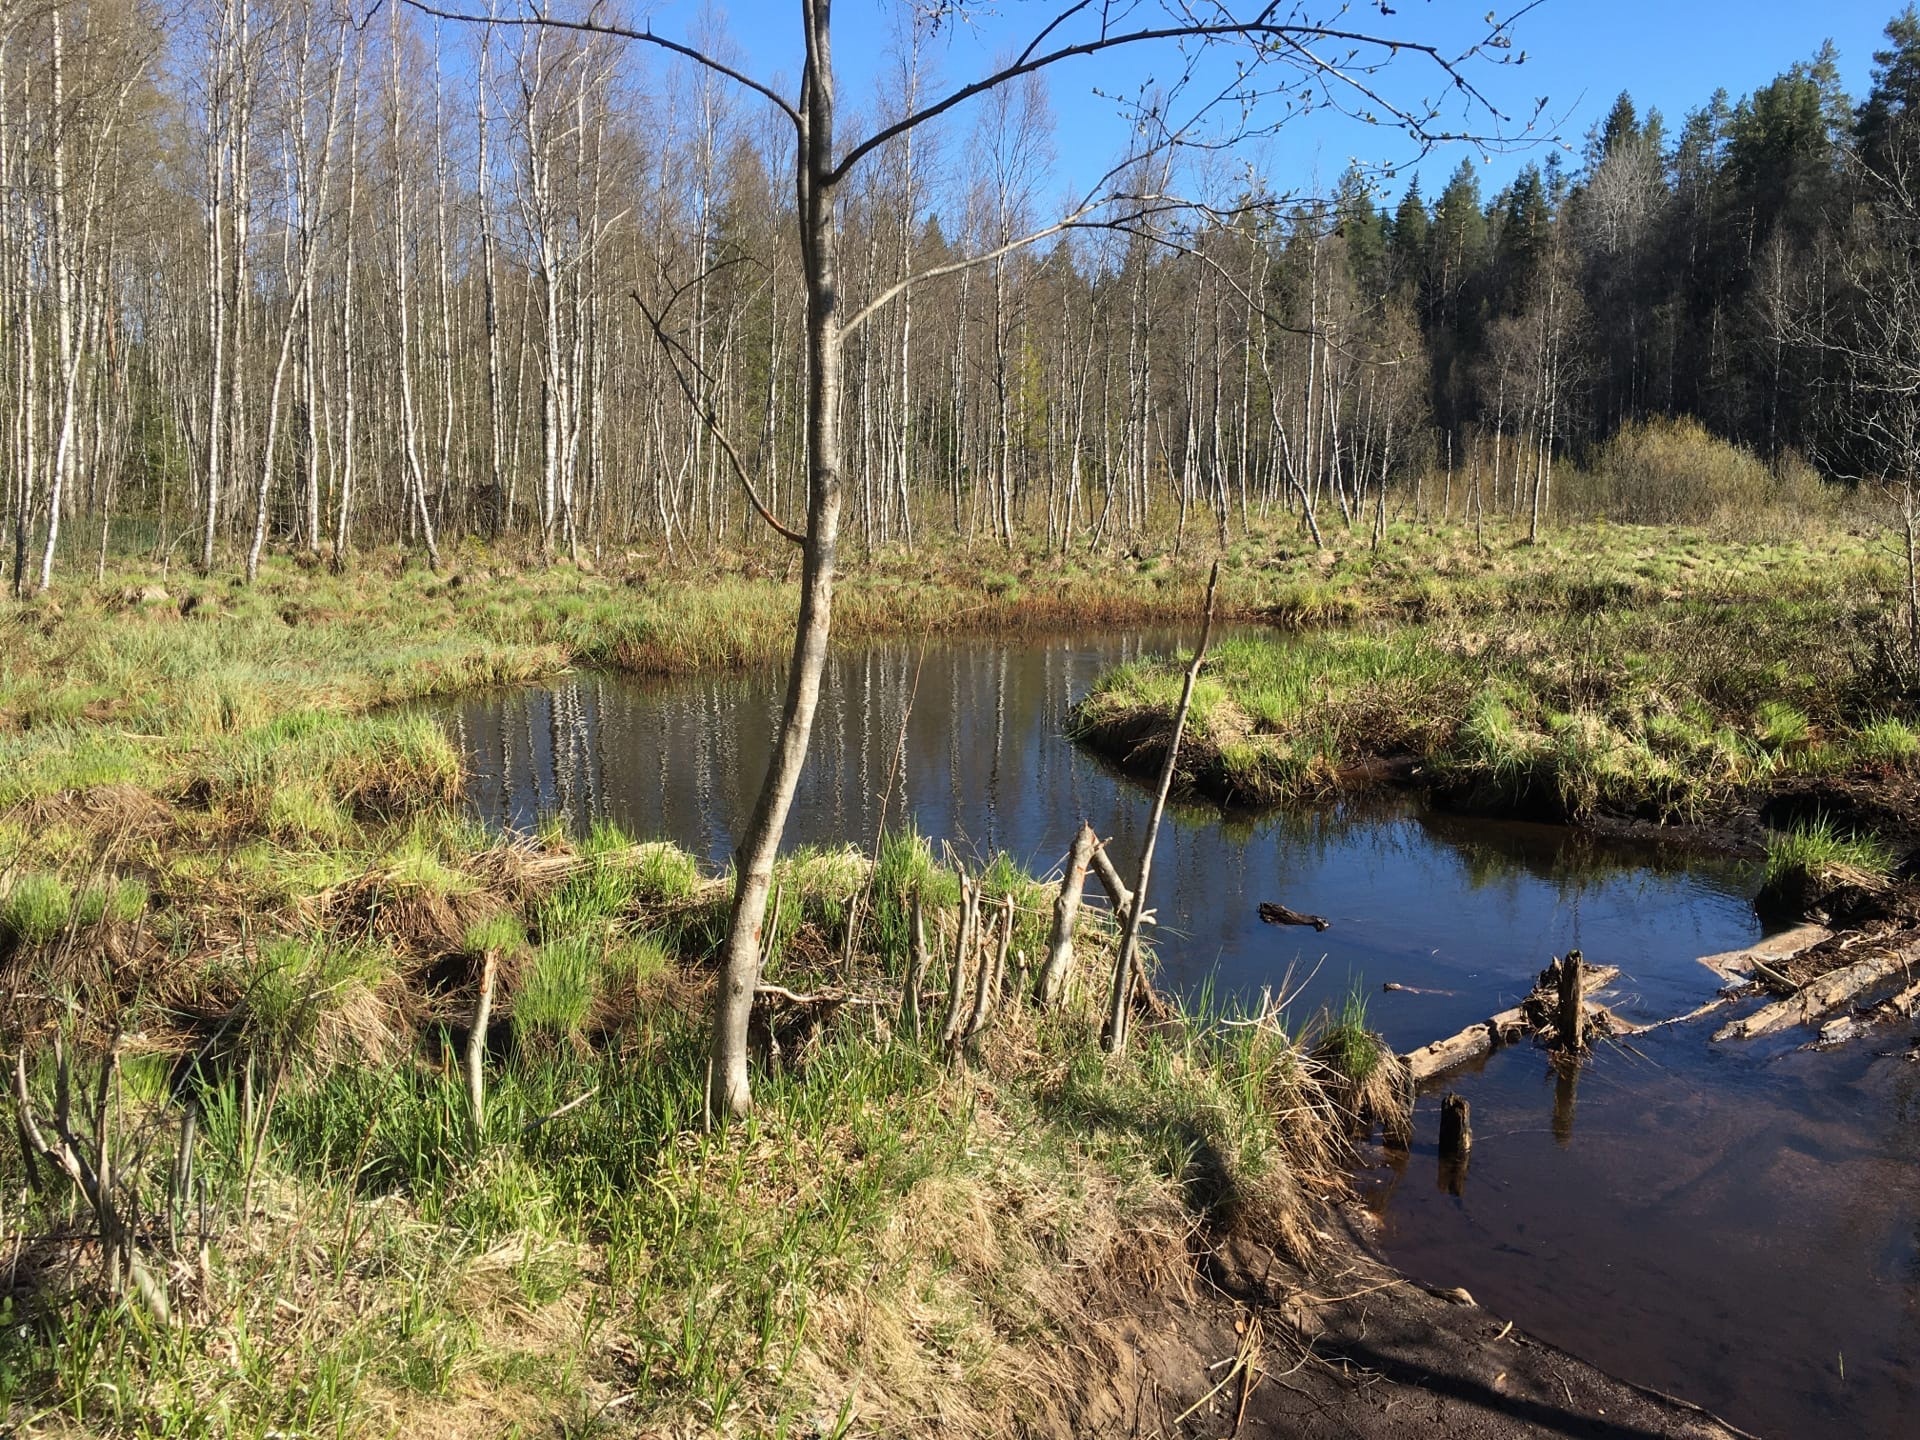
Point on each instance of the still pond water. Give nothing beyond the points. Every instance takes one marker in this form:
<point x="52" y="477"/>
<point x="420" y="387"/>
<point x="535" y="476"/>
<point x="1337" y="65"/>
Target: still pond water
<point x="1734" y="1225"/>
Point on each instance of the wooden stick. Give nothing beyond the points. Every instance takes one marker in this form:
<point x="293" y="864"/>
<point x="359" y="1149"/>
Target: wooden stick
<point x="1110" y="881"/>
<point x="477" y="1047"/>
<point x="552" y="1115"/>
<point x="962" y="944"/>
<point x="1114" y="1038"/>
<point x="1052" y="986"/>
<point x="986" y="990"/>
<point x="916" y="970"/>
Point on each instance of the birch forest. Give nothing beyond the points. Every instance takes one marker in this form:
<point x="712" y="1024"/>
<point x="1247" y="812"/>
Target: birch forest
<point x="292" y="276"/>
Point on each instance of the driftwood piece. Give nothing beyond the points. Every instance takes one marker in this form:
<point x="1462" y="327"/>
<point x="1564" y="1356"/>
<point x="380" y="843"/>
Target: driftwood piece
<point x="1737" y="965"/>
<point x="1280" y="915"/>
<point x="1903" y="1001"/>
<point x="1480" y="1039"/>
<point x="1826" y="993"/>
<point x="1052" y="986"/>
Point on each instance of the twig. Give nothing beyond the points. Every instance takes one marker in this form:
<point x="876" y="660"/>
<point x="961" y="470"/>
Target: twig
<point x="1115" y="1038"/>
<point x="823" y="997"/>
<point x="573" y="1104"/>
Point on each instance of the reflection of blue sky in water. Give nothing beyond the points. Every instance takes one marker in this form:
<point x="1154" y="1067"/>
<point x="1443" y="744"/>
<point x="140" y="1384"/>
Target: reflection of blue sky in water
<point x="1429" y="901"/>
<point x="1722" y="1221"/>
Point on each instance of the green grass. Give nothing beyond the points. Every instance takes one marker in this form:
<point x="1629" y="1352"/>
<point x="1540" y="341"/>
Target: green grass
<point x="503" y="934"/>
<point x="1667" y="682"/>
<point x="1818" y="849"/>
<point x="35" y="908"/>
<point x="1889" y="742"/>
<point x="1347" y="1045"/>
<point x="261" y="848"/>
<point x="556" y="995"/>
<point x="881" y="1222"/>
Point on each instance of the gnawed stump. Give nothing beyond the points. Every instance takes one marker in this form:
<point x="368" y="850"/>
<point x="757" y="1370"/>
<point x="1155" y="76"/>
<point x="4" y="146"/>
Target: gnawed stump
<point x="1456" y="1141"/>
<point x="1569" y="1016"/>
<point x="1456" y="1127"/>
<point x="1280" y="915"/>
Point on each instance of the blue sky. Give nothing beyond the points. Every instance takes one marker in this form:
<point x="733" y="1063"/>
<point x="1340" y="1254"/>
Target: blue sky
<point x="1579" y="56"/>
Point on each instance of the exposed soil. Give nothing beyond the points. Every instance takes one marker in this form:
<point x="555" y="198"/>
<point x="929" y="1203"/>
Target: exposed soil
<point x="1245" y="1342"/>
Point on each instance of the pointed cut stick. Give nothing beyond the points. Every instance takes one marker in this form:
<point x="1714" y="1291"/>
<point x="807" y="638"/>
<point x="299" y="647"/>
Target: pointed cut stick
<point x="1115" y="1037"/>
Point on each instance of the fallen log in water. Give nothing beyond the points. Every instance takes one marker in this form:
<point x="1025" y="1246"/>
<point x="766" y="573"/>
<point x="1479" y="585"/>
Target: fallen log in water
<point x="1736" y="965"/>
<point x="1903" y="1001"/>
<point x="1826" y="992"/>
<point x="1509" y="1025"/>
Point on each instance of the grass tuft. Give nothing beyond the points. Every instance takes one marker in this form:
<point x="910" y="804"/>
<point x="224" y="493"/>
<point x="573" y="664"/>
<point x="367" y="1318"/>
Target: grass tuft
<point x="35" y="909"/>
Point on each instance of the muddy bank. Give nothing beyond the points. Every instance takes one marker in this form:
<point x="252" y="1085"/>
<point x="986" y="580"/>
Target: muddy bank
<point x="1243" y="1341"/>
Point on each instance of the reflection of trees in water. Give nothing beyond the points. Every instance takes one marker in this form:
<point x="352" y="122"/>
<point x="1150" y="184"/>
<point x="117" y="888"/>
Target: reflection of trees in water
<point x="1573" y="862"/>
<point x="981" y="741"/>
<point x="983" y="763"/>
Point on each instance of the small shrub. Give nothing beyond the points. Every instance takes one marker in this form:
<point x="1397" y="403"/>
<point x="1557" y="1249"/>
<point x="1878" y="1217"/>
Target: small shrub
<point x="1676" y="472"/>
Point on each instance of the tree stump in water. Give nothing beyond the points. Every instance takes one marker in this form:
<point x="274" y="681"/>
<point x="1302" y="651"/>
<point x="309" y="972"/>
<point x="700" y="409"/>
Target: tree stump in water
<point x="1456" y="1129"/>
<point x="1571" y="1019"/>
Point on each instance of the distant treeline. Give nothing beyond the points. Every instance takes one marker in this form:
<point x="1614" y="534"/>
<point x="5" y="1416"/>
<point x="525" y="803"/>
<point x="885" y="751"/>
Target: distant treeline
<point x="275" y="273"/>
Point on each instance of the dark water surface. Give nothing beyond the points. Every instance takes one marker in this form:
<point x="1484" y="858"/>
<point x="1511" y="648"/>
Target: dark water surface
<point x="1724" y="1224"/>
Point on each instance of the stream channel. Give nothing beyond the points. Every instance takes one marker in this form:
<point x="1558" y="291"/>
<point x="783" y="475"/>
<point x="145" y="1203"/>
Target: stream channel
<point x="1739" y="1225"/>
